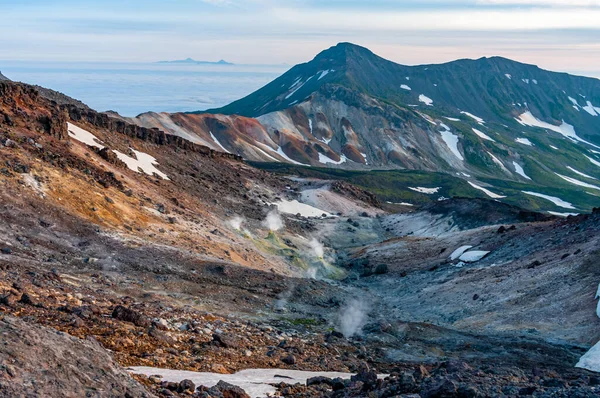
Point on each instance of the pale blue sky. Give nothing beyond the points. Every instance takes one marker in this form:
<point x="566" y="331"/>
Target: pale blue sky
<point x="556" y="34"/>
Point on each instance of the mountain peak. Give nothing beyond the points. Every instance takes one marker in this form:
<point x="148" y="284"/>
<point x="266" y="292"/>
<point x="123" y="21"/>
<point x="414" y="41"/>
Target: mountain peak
<point x="2" y="77"/>
<point x="343" y="51"/>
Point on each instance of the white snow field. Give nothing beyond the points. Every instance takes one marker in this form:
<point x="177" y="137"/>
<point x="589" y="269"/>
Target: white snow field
<point x="565" y="129"/>
<point x="428" y="191"/>
<point x="294" y="207"/>
<point x="557" y="201"/>
<point x="459" y="252"/>
<point x="473" y="256"/>
<point x="520" y="171"/>
<point x="256" y="382"/>
<point x="144" y="162"/>
<point x="83" y="136"/>
<point x="577" y="182"/>
<point x="580" y="173"/>
<point x="524" y="141"/>
<point x="476" y="118"/>
<point x="426" y="100"/>
<point x="483" y="135"/>
<point x="451" y="141"/>
<point x="486" y="191"/>
<point x="217" y="142"/>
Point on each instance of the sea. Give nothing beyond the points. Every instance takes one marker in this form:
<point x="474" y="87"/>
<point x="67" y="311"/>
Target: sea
<point x="134" y="88"/>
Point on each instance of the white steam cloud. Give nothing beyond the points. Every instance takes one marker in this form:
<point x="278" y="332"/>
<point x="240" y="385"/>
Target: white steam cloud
<point x="236" y="223"/>
<point x="317" y="248"/>
<point x="353" y="317"/>
<point x="273" y="221"/>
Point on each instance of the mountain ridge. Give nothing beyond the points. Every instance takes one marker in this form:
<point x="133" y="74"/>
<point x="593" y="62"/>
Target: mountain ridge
<point x="504" y="127"/>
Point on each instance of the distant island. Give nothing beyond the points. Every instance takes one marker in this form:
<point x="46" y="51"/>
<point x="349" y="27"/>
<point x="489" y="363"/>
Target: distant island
<point x="194" y="62"/>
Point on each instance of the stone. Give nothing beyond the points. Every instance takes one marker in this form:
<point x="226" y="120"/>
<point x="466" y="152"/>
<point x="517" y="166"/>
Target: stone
<point x="128" y="315"/>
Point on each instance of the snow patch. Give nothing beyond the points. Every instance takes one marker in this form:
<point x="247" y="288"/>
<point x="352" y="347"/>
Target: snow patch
<point x="556" y="213"/>
<point x="580" y="173"/>
<point x="486" y="191"/>
<point x="294" y="207"/>
<point x="565" y="129"/>
<point x="557" y="201"/>
<point x="324" y="73"/>
<point x="459" y="252"/>
<point x="143" y="161"/>
<point x="298" y="88"/>
<point x="325" y="159"/>
<point x="591" y="109"/>
<point x="217" y="142"/>
<point x="524" y="141"/>
<point x="520" y="170"/>
<point x="451" y="141"/>
<point x="405" y="87"/>
<point x="577" y="182"/>
<point x="428" y="191"/>
<point x="476" y="118"/>
<point x="83" y="136"/>
<point x="426" y="100"/>
<point x="256" y="382"/>
<point x="594" y="161"/>
<point x="508" y="76"/>
<point x="473" y="256"/>
<point x="286" y="157"/>
<point x="591" y="359"/>
<point x="483" y="135"/>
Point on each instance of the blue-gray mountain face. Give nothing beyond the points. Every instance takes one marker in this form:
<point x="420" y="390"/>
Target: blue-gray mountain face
<point x="508" y="130"/>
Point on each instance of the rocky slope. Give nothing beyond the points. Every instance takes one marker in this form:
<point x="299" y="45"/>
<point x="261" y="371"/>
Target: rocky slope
<point x="492" y="122"/>
<point x="173" y="255"/>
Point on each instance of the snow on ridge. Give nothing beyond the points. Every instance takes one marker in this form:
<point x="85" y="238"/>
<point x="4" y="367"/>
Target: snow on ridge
<point x="428" y="191"/>
<point x="298" y="88"/>
<point x="557" y="201"/>
<point x="559" y="214"/>
<point x="255" y="382"/>
<point x="286" y="157"/>
<point x="498" y="162"/>
<point x="486" y="191"/>
<point x="217" y="142"/>
<point x="524" y="141"/>
<point x="426" y="100"/>
<point x="459" y="252"/>
<point x="520" y="171"/>
<point x="565" y="129"/>
<point x="473" y="256"/>
<point x="325" y="159"/>
<point x="294" y="207"/>
<point x="451" y="141"/>
<point x="483" y="135"/>
<point x="591" y="109"/>
<point x="580" y="173"/>
<point x="594" y="161"/>
<point x="577" y="182"/>
<point x="143" y="161"/>
<point x="83" y="136"/>
<point x="324" y="73"/>
<point x="476" y="118"/>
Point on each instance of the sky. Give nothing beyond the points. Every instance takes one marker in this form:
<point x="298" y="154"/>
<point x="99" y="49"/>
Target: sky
<point x="555" y="34"/>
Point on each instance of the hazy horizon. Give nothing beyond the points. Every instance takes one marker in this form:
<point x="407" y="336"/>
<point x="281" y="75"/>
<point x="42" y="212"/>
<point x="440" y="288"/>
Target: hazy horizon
<point x="557" y="35"/>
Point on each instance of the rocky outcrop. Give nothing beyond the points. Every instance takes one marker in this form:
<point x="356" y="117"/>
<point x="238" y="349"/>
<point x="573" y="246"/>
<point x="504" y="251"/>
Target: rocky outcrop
<point x="43" y="362"/>
<point x="2" y="77"/>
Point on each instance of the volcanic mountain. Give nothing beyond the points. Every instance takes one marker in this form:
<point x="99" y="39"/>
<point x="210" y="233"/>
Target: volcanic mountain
<point x="128" y="250"/>
<point x="507" y="129"/>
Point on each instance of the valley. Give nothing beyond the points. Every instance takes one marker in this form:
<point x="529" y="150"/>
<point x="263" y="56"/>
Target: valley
<point x="134" y="251"/>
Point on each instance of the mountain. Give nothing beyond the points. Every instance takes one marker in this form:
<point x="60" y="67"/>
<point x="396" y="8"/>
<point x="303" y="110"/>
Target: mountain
<point x="2" y="77"/>
<point x="512" y="131"/>
<point x="126" y="250"/>
<point x="194" y="62"/>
